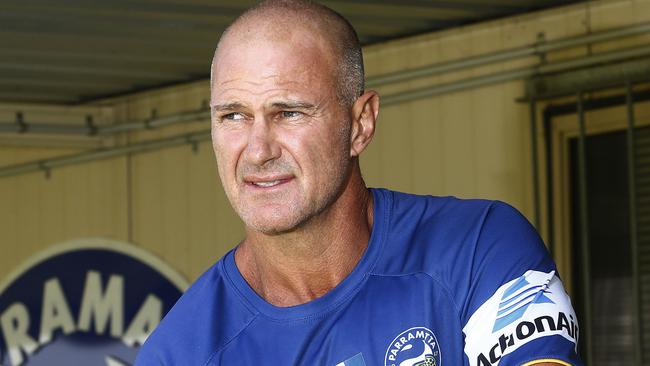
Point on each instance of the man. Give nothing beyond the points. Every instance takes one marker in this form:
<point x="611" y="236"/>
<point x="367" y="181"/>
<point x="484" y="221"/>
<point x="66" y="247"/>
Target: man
<point x="330" y="272"/>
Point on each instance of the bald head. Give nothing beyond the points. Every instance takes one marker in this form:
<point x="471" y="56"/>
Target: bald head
<point x="279" y="19"/>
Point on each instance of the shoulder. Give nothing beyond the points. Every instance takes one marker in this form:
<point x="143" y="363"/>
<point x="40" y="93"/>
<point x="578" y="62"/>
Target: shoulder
<point x="434" y="215"/>
<point x="494" y="265"/>
<point x="449" y="229"/>
<point x="428" y="233"/>
<point x="469" y="246"/>
<point x="208" y="315"/>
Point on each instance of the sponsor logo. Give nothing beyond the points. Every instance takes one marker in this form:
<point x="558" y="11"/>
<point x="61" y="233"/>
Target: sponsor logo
<point x="87" y="302"/>
<point x="414" y="347"/>
<point x="532" y="306"/>
<point x="516" y="299"/>
<point x="527" y="329"/>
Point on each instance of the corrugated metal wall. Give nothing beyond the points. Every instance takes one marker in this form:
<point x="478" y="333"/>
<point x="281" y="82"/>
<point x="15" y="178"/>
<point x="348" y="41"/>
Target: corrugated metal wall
<point x="470" y="144"/>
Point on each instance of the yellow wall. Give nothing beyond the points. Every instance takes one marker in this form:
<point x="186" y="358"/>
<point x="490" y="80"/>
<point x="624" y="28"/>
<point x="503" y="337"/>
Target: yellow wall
<point x="471" y="144"/>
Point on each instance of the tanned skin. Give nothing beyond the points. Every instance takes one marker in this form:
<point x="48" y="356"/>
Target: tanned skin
<point x="277" y="116"/>
<point x="288" y="151"/>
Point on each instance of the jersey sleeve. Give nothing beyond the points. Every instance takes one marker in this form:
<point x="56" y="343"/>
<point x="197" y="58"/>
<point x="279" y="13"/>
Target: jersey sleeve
<point x="516" y="309"/>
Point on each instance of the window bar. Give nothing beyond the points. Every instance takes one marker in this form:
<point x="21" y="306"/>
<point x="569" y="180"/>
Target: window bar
<point x="631" y="161"/>
<point x="584" y="232"/>
<point x="533" y="139"/>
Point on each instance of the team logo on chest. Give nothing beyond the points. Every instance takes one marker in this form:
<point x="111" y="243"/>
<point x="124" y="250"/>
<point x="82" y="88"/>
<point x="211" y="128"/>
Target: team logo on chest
<point x="417" y="346"/>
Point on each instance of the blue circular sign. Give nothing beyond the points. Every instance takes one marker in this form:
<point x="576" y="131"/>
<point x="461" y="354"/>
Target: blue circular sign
<point x="87" y="302"/>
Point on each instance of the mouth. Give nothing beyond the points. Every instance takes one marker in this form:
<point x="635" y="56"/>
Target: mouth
<point x="266" y="183"/>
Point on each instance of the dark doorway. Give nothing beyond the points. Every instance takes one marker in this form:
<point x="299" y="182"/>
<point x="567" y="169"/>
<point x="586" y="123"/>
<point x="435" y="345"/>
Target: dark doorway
<point x="610" y="254"/>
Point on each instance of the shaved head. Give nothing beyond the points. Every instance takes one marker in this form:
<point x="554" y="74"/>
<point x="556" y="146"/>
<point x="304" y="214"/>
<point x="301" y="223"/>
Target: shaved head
<point x="290" y="116"/>
<point x="277" y="19"/>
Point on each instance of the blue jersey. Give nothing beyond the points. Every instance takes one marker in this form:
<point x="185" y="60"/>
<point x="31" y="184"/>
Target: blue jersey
<point x="443" y="281"/>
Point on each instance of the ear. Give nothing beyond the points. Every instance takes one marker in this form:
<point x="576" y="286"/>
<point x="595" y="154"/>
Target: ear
<point x="364" y="116"/>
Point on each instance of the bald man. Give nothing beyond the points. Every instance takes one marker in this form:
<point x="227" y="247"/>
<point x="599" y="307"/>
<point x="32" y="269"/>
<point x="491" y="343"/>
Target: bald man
<point x="333" y="273"/>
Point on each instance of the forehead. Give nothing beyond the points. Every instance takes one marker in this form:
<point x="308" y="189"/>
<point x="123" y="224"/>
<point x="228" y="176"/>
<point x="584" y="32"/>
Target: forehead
<point x="295" y="59"/>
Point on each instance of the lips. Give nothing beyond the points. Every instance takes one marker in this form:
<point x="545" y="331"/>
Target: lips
<point x="267" y="182"/>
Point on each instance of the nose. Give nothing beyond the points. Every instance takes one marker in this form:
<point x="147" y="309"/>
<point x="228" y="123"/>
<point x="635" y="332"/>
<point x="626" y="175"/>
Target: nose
<point x="262" y="145"/>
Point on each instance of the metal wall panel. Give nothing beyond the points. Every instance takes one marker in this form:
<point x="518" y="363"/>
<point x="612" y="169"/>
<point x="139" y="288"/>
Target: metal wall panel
<point x="470" y="144"/>
<point x="74" y="202"/>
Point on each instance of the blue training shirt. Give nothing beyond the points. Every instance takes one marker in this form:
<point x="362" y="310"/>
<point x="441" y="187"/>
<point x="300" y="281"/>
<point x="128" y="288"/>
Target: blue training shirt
<point x="443" y="281"/>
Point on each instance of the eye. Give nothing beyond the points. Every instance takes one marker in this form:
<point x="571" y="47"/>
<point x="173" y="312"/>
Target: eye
<point x="235" y="116"/>
<point x="290" y="114"/>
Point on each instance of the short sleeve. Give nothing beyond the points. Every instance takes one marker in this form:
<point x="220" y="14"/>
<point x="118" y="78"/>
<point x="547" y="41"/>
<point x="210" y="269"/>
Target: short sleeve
<point x="516" y="309"/>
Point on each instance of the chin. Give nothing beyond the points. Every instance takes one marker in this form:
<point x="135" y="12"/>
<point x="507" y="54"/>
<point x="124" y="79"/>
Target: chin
<point x="282" y="217"/>
<point x="273" y="224"/>
<point x="271" y="228"/>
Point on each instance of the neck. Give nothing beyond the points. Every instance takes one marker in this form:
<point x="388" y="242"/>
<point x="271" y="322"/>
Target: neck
<point x="298" y="266"/>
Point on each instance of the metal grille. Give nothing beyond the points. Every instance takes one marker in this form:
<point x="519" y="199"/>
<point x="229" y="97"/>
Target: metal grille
<point x="610" y="228"/>
<point x="642" y="178"/>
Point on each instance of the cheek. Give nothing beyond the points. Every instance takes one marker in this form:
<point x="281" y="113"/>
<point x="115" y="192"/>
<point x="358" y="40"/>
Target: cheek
<point x="317" y="152"/>
<point x="227" y="149"/>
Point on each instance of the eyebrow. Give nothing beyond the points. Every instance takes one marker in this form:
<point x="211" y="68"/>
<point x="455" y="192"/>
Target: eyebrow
<point x="294" y="105"/>
<point x="228" y="106"/>
<point x="235" y="106"/>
